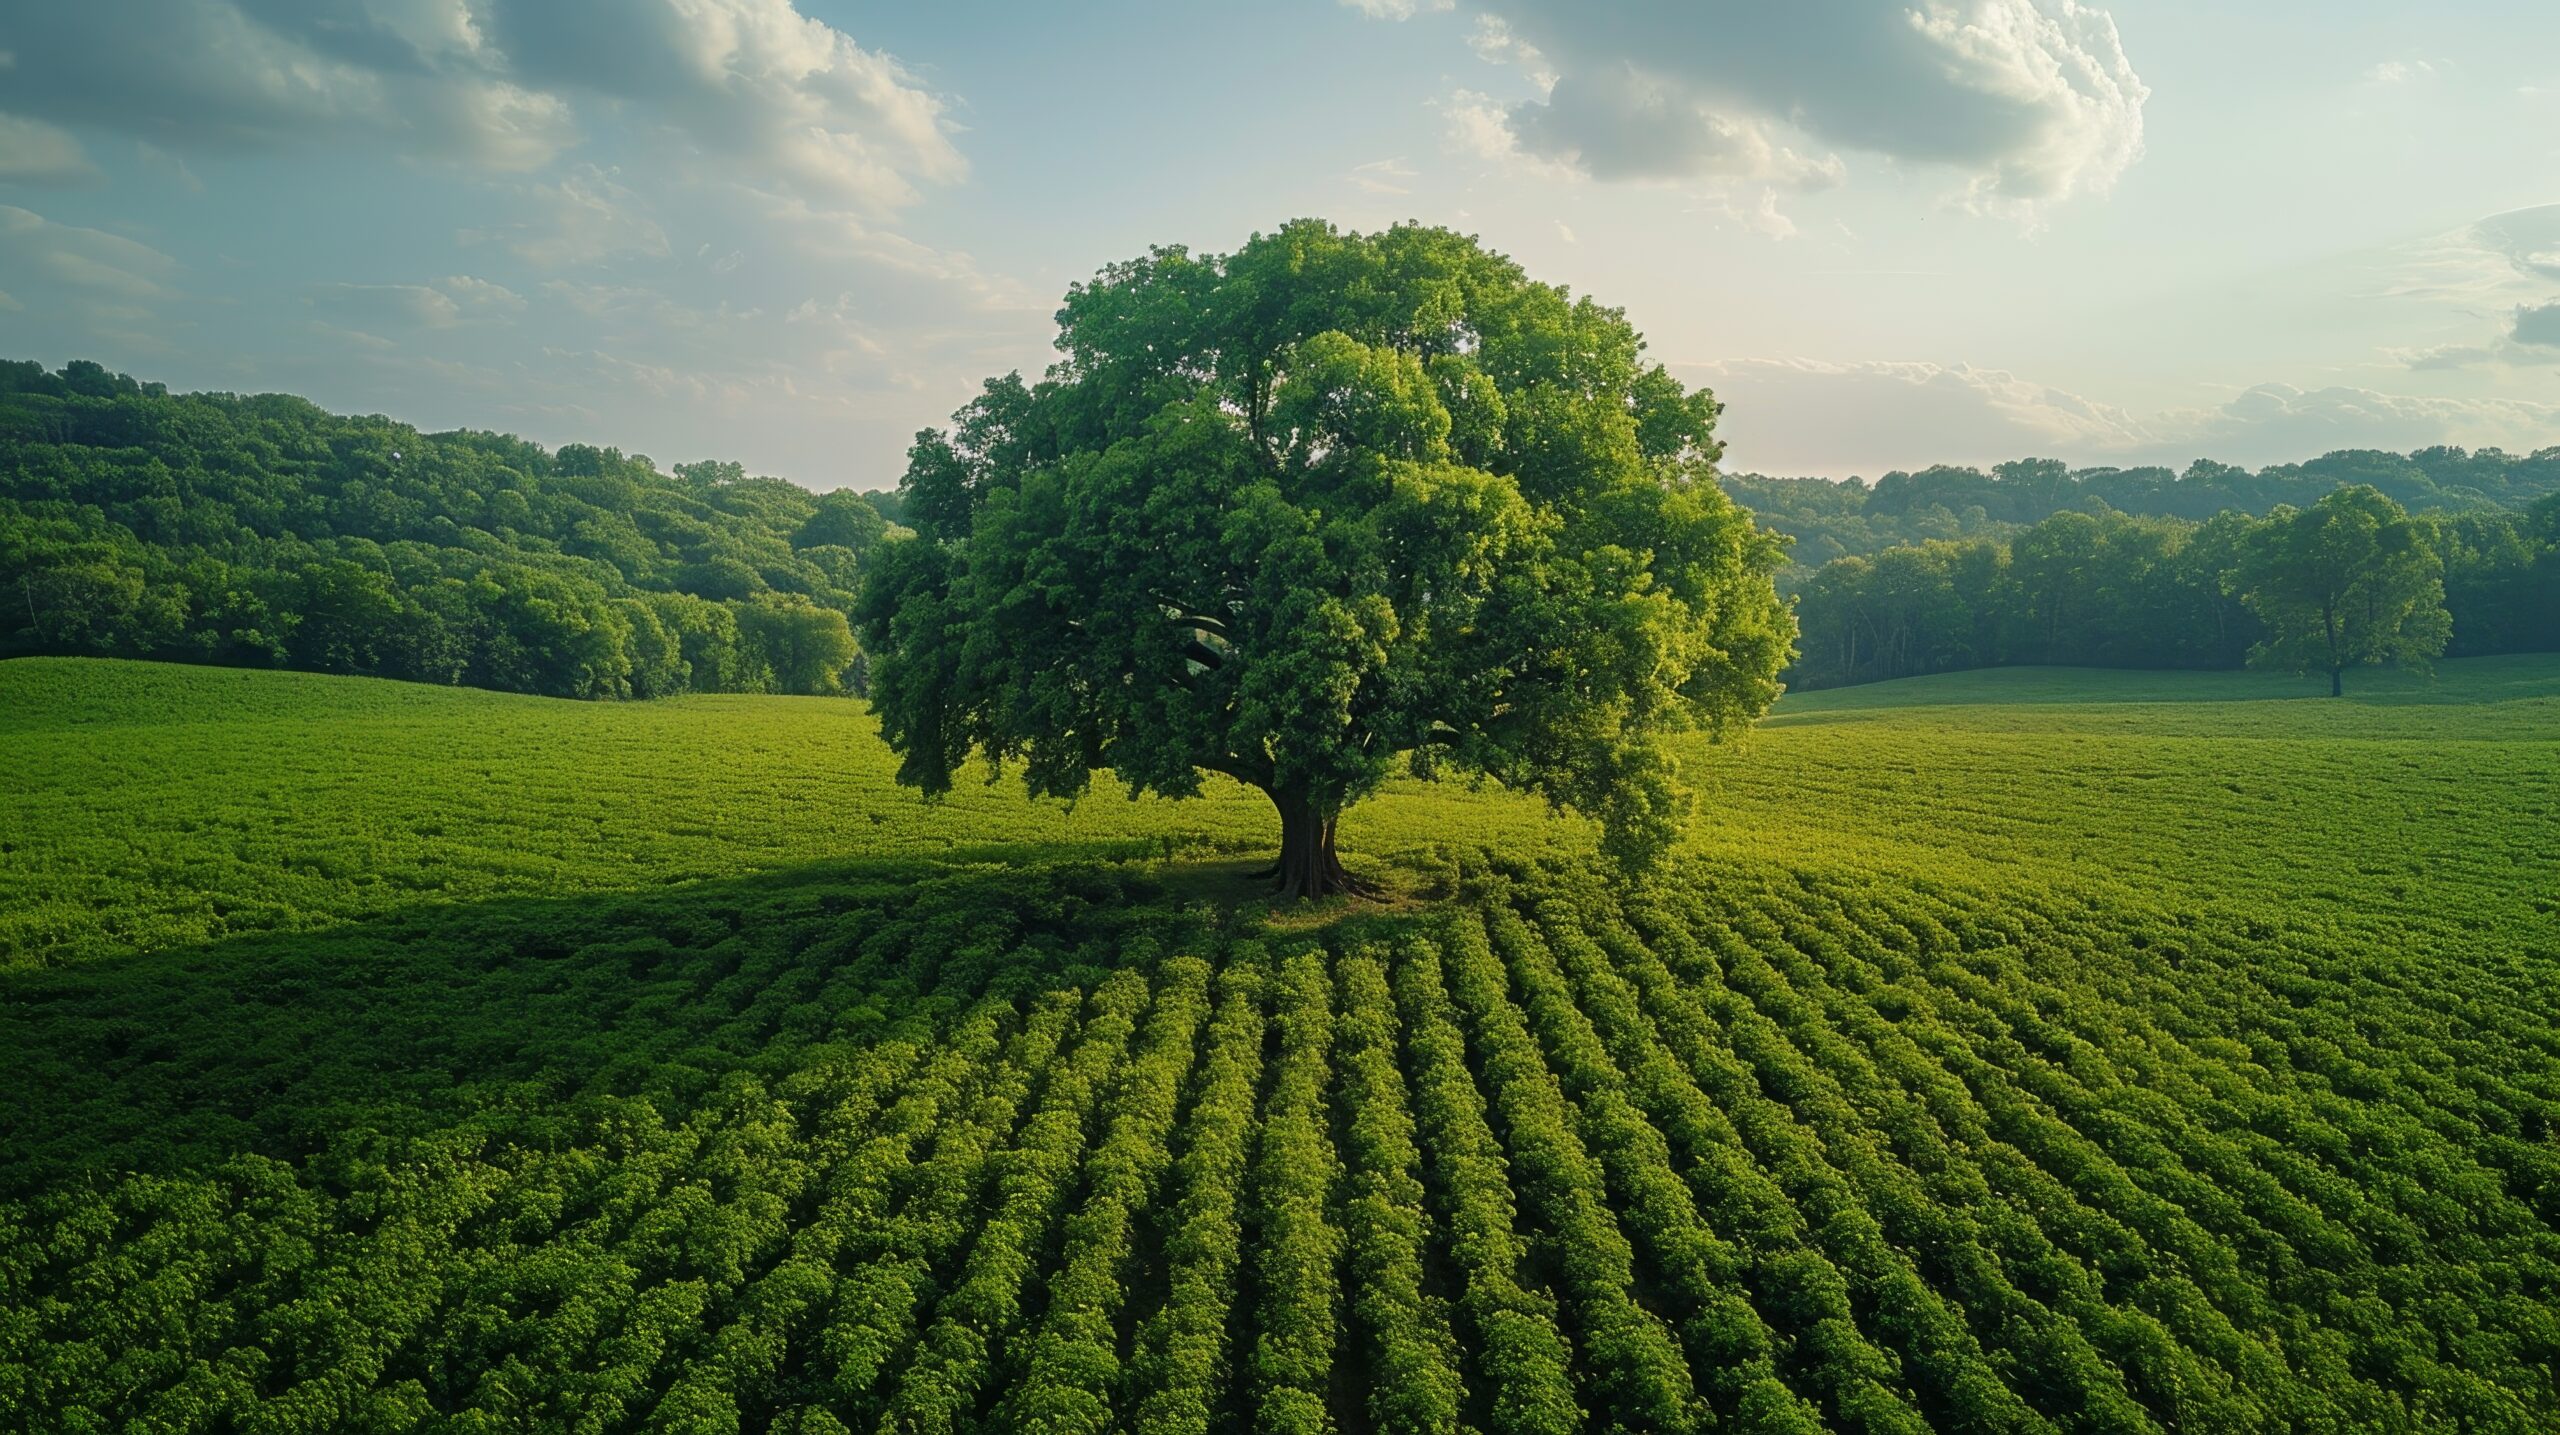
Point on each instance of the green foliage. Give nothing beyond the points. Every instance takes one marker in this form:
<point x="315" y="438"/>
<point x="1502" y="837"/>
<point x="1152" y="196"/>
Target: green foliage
<point x="1830" y="519"/>
<point x="1293" y="513"/>
<point x="259" y="531"/>
<point x="2016" y="1050"/>
<point x="2106" y="589"/>
<point x="2346" y="582"/>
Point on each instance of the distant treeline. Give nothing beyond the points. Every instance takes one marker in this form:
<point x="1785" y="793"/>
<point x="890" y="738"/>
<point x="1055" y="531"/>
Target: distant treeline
<point x="2110" y="589"/>
<point x="263" y="531"/>
<point x="1835" y="519"/>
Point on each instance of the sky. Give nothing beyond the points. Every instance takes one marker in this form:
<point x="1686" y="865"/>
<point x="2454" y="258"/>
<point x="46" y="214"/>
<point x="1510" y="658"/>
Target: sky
<point x="1887" y="233"/>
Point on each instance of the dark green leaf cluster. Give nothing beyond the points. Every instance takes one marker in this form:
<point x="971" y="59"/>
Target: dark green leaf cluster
<point x="261" y="531"/>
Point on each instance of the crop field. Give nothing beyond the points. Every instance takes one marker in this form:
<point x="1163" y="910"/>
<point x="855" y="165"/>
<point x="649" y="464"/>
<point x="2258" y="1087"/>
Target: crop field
<point x="2009" y="1051"/>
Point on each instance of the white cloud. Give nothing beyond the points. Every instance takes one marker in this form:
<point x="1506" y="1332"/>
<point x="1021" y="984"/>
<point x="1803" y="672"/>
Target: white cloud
<point x="744" y="81"/>
<point x="588" y="215"/>
<point x="950" y="281"/>
<point x="2449" y="356"/>
<point x="597" y="300"/>
<point x="481" y="296"/>
<point x="2407" y="72"/>
<point x="1811" y="416"/>
<point x="1478" y="125"/>
<point x="1382" y="176"/>
<point x="2489" y="262"/>
<point x="363" y="338"/>
<point x="445" y="304"/>
<point x="1564" y="232"/>
<point x="88" y="262"/>
<point x="1627" y="124"/>
<point x="160" y="159"/>
<point x="1396" y="9"/>
<point x="401" y="304"/>
<point x="220" y="74"/>
<point x="1494" y="44"/>
<point x="33" y="152"/>
<point x="2527" y="239"/>
<point x="2030" y="100"/>
<point x="1761" y="216"/>
<point x="750" y="86"/>
<point x="86" y="286"/>
<point x="2276" y="422"/>
<point x="1808" y="416"/>
<point x="2498" y="272"/>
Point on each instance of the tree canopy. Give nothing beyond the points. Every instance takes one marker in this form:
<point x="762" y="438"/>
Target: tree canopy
<point x="2108" y="589"/>
<point x="261" y="531"/>
<point x="2348" y="581"/>
<point x="1292" y="513"/>
<point x="1831" y="519"/>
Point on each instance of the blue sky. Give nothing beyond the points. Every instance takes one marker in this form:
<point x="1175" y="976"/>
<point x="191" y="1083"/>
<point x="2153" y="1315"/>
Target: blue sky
<point x="1887" y="233"/>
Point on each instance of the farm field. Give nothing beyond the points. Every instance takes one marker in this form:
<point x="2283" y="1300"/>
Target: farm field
<point x="2017" y="1050"/>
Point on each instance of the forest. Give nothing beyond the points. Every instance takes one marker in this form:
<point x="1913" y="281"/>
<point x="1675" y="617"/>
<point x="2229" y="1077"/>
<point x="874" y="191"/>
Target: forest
<point x="1839" y="518"/>
<point x="2108" y="589"/>
<point x="262" y="531"/>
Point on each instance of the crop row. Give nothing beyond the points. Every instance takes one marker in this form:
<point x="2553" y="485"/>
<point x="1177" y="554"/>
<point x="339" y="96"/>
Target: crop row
<point x="1751" y="1149"/>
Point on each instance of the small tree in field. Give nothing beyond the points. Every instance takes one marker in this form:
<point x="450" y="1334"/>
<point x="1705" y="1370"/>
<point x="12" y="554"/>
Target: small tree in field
<point x="1287" y="513"/>
<point x="2349" y="580"/>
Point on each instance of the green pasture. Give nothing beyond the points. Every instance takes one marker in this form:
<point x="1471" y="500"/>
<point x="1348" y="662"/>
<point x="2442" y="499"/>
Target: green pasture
<point x="2029" y="1050"/>
<point x="150" y="806"/>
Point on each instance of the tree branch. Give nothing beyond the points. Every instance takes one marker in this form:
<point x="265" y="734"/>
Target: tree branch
<point x="1251" y="775"/>
<point x="1188" y="614"/>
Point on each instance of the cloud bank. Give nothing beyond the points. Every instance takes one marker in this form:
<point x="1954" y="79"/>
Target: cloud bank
<point x="33" y="152"/>
<point x="1793" y="416"/>
<point x="2538" y="325"/>
<point x="495" y="84"/>
<point x="2031" y="100"/>
<point x="694" y="204"/>
<point x="2505" y="268"/>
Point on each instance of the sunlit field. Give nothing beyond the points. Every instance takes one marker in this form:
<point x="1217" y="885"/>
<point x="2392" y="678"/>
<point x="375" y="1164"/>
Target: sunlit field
<point x="2027" y="1049"/>
<point x="153" y="806"/>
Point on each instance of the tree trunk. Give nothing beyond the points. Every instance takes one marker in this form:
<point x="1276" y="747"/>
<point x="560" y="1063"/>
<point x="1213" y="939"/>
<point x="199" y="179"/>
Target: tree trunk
<point x="2336" y="687"/>
<point x="1307" y="866"/>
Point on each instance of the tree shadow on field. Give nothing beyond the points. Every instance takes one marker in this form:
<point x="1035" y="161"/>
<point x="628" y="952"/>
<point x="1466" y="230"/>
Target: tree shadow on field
<point x="507" y="1012"/>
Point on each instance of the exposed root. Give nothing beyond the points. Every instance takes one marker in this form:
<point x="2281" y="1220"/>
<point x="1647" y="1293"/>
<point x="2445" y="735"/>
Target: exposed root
<point x="1322" y="877"/>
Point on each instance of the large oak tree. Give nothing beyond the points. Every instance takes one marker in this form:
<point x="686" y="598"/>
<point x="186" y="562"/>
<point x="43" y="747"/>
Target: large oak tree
<point x="1297" y="513"/>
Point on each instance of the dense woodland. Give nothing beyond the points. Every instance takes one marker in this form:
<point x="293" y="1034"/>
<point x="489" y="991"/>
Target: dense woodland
<point x="2109" y="589"/>
<point x="1836" y="519"/>
<point x="263" y="531"/>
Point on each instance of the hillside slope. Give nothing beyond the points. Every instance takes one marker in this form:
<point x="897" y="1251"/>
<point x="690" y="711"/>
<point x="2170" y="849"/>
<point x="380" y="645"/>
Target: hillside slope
<point x="261" y="531"/>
